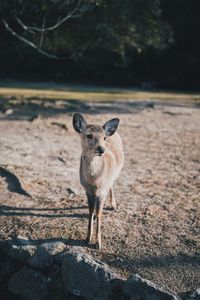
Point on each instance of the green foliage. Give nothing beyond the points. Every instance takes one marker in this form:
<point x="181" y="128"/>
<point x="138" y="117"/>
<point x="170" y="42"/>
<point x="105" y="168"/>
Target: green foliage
<point x="110" y="24"/>
<point x="129" y="41"/>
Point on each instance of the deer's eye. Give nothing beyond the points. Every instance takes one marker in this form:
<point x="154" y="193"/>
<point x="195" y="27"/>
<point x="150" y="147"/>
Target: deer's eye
<point x="105" y="138"/>
<point x="89" y="136"/>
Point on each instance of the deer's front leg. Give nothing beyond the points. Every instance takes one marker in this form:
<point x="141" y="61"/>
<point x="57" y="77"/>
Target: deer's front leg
<point x="91" y="203"/>
<point x="100" y="203"/>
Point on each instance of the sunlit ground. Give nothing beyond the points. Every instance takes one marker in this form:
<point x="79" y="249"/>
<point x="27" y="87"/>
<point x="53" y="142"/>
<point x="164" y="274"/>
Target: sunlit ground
<point x="155" y="231"/>
<point x="90" y="93"/>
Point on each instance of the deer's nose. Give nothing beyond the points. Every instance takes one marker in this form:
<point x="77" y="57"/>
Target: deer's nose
<point x="100" y="150"/>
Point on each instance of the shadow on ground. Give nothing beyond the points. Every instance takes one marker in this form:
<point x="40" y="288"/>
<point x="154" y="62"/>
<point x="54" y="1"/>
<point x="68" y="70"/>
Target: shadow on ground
<point x="13" y="183"/>
<point x="14" y="186"/>
<point x="33" y="107"/>
<point x="162" y="261"/>
<point x="6" y="210"/>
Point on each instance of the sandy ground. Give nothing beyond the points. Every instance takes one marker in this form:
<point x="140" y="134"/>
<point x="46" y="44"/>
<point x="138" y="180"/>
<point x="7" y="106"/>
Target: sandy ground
<point x="155" y="231"/>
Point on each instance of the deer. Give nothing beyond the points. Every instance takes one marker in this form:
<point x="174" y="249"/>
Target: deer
<point x="102" y="159"/>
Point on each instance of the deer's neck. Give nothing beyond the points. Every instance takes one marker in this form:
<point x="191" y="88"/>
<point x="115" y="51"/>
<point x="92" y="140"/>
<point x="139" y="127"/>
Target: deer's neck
<point x="92" y="165"/>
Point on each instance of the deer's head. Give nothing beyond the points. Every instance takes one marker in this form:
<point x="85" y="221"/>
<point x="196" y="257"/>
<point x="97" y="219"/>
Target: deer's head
<point x="93" y="137"/>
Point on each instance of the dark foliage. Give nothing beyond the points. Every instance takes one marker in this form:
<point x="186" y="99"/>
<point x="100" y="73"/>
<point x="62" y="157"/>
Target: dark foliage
<point x="149" y="43"/>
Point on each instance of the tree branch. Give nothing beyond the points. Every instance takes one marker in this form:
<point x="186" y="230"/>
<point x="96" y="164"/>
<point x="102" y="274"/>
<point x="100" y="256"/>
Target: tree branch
<point x="43" y="32"/>
<point x="23" y="25"/>
<point x="72" y="14"/>
<point x="31" y="44"/>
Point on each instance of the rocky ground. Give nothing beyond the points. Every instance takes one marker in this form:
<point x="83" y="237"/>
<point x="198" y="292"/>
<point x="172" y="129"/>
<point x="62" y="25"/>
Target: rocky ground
<point x="155" y="231"/>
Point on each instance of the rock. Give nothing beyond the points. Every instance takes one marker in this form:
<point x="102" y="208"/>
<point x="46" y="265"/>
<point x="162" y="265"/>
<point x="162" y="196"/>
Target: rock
<point x="11" y="97"/>
<point x="195" y="295"/>
<point x="1" y="245"/>
<point x="150" y="105"/>
<point x="9" y="111"/>
<point x="45" y="254"/>
<point x="71" y="193"/>
<point x="29" y="284"/>
<point x="71" y="271"/>
<point x="55" y="285"/>
<point x="20" y="249"/>
<point x="87" y="277"/>
<point x="7" y="267"/>
<point x="60" y="257"/>
<point x="138" y="288"/>
<point x="61" y="125"/>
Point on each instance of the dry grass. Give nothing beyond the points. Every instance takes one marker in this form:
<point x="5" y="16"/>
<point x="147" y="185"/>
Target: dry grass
<point x="89" y="93"/>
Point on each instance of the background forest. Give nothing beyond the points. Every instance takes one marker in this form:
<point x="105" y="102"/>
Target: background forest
<point x="138" y="43"/>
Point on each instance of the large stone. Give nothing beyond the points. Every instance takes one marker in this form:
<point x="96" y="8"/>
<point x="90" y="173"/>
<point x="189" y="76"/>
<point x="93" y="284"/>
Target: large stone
<point x="87" y="277"/>
<point x="29" y="284"/>
<point x="195" y="295"/>
<point x="55" y="285"/>
<point x="20" y="249"/>
<point x="45" y="254"/>
<point x="7" y="267"/>
<point x="137" y="288"/>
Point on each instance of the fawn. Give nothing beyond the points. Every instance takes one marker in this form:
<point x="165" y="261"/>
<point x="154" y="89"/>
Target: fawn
<point x="102" y="159"/>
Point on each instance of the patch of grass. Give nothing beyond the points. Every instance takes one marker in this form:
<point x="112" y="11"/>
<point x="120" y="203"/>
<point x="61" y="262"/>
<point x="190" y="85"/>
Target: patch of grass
<point x="88" y="93"/>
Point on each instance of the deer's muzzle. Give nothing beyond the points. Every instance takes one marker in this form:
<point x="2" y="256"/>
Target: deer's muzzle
<point x="100" y="150"/>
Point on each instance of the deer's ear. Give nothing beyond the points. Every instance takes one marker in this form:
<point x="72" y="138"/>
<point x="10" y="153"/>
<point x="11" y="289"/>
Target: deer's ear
<point x="79" y="123"/>
<point x="111" y="126"/>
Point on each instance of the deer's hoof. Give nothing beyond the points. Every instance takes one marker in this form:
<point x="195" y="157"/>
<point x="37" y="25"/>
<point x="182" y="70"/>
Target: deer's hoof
<point x="114" y="208"/>
<point x="88" y="241"/>
<point x="98" y="246"/>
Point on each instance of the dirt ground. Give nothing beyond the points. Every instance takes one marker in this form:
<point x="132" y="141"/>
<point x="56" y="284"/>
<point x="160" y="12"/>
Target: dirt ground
<point x="155" y="231"/>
